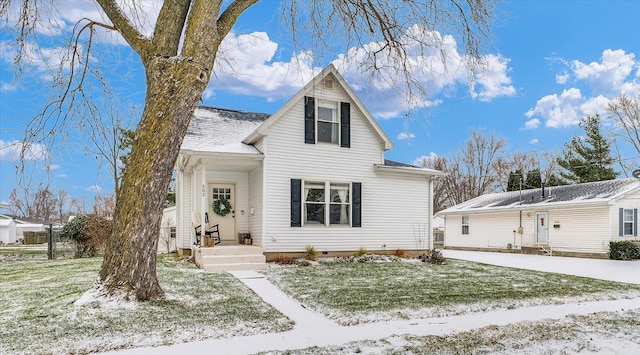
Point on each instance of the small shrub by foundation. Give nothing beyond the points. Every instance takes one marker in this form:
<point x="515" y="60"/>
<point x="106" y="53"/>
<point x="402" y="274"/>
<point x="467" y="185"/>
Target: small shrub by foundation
<point x="624" y="250"/>
<point x="362" y="251"/>
<point x="433" y="256"/>
<point x="310" y="253"/>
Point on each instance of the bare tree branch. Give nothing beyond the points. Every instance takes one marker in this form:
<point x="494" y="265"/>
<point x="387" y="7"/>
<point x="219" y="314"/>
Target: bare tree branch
<point x="173" y="15"/>
<point x="136" y="40"/>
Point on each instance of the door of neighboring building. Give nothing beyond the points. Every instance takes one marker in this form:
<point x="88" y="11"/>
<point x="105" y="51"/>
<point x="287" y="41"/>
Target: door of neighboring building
<point x="542" y="228"/>
<point x="228" y="221"/>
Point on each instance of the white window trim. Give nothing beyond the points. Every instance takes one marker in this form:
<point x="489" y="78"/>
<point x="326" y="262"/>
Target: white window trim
<point x="625" y="222"/>
<point x="464" y="225"/>
<point x="328" y="104"/>
<point x="327" y="203"/>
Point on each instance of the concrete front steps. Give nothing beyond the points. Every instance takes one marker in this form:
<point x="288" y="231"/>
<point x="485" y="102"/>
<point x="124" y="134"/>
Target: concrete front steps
<point x="230" y="258"/>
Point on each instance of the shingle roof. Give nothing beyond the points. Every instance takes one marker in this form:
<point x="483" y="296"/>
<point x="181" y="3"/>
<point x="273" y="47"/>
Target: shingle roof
<point x="601" y="191"/>
<point x="214" y="129"/>
<point x="398" y="164"/>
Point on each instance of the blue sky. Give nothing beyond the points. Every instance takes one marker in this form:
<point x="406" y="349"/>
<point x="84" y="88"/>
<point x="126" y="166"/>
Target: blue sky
<point x="550" y="64"/>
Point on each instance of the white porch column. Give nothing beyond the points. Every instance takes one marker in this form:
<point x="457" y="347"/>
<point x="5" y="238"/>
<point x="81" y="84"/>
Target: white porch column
<point x="430" y="234"/>
<point x="203" y="200"/>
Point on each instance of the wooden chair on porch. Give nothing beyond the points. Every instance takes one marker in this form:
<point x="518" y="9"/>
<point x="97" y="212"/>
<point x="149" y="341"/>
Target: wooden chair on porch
<point x="212" y="231"/>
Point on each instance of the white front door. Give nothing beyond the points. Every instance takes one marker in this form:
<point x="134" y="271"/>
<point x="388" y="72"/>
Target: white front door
<point x="542" y="227"/>
<point x="228" y="221"/>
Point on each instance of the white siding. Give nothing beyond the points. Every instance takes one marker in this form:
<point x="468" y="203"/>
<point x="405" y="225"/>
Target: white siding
<point x="629" y="202"/>
<point x="581" y="229"/>
<point x="256" y="205"/>
<point x="184" y="228"/>
<point x="489" y="230"/>
<point x="393" y="206"/>
<point x="241" y="182"/>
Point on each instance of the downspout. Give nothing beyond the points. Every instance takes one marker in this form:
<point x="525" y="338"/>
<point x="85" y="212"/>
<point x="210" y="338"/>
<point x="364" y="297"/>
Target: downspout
<point x="203" y="202"/>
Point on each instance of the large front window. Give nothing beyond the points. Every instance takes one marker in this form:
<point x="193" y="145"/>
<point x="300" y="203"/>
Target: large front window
<point x="326" y="203"/>
<point x="628" y="222"/>
<point x="328" y="123"/>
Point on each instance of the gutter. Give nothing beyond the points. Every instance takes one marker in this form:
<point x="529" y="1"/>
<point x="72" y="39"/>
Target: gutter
<point x="409" y="170"/>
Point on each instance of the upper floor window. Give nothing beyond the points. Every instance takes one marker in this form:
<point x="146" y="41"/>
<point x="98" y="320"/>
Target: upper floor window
<point x="328" y="122"/>
<point x="465" y="224"/>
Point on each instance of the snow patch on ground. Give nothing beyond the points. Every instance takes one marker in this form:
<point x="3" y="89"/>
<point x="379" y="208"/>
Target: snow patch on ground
<point x="98" y="297"/>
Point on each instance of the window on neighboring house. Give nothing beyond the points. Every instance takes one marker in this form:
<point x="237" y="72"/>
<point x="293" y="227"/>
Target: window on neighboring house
<point x="465" y="224"/>
<point x="326" y="202"/>
<point x="328" y="122"/>
<point x="628" y="222"/>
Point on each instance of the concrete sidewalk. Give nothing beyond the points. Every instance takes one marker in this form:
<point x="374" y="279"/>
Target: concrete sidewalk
<point x="313" y="329"/>
<point x="604" y="269"/>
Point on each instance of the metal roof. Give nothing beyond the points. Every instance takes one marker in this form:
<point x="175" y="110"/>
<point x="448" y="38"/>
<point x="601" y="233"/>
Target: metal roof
<point x="593" y="192"/>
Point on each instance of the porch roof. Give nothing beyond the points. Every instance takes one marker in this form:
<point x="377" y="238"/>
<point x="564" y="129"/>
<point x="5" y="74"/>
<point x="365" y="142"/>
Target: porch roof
<point x="219" y="130"/>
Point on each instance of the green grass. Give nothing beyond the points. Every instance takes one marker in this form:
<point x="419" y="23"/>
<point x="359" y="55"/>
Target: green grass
<point x="38" y="314"/>
<point x="361" y="292"/>
<point x="22" y="252"/>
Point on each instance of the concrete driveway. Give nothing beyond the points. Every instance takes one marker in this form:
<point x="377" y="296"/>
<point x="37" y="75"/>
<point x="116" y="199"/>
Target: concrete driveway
<point x="613" y="270"/>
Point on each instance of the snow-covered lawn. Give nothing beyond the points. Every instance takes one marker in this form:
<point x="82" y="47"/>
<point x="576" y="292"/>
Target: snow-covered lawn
<point x="603" y="332"/>
<point x="38" y="314"/>
<point x="353" y="293"/>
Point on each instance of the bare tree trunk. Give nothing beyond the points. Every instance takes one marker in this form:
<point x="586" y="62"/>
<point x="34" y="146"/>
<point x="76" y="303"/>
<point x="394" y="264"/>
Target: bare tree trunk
<point x="174" y="88"/>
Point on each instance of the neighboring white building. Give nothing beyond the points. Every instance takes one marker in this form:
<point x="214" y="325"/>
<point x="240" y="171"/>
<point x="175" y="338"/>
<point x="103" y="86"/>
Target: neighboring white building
<point x="568" y="220"/>
<point x="167" y="240"/>
<point x="311" y="174"/>
<point x="7" y="230"/>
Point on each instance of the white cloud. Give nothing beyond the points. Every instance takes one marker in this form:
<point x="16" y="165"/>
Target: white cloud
<point x="562" y="78"/>
<point x="607" y="76"/>
<point x="425" y="160"/>
<point x="594" y="105"/>
<point x="534" y="141"/>
<point x="244" y="66"/>
<point x="493" y="79"/>
<point x="5" y="87"/>
<point x="560" y="111"/>
<point x="11" y="150"/>
<point x="404" y="135"/>
<point x="532" y="124"/>
<point x="597" y="83"/>
<point x="94" y="188"/>
<point x="53" y="167"/>
<point x="245" y="63"/>
<point x="62" y="175"/>
<point x="61" y="17"/>
<point x="254" y="72"/>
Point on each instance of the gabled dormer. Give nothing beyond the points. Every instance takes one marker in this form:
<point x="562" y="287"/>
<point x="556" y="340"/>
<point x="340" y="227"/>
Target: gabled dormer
<point x="326" y="120"/>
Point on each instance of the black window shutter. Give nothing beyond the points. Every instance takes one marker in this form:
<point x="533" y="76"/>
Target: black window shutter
<point x="296" y="205"/>
<point x="356" y="205"/>
<point x="345" y="124"/>
<point x="309" y="120"/>
<point x="635" y="222"/>
<point x="621" y="222"/>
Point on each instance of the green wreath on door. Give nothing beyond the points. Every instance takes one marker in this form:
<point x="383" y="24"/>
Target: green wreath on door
<point x="221" y="207"/>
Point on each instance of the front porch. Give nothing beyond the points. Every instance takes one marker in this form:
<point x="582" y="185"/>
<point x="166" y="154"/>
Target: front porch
<point x="230" y="258"/>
